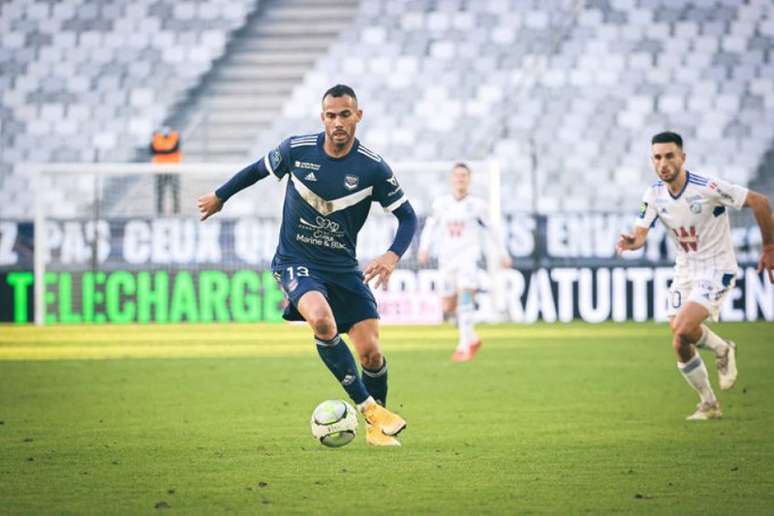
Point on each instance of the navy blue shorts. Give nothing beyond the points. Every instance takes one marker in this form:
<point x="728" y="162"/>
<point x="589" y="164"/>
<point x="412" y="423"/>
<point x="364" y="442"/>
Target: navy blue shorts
<point x="350" y="299"/>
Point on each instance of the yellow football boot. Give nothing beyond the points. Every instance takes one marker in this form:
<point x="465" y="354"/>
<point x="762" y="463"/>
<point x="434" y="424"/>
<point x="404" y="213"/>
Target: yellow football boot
<point x="384" y="420"/>
<point x="375" y="437"/>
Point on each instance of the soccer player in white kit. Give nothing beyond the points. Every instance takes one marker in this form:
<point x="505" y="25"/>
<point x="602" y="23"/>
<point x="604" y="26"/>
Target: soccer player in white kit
<point x="456" y="227"/>
<point x="694" y="209"/>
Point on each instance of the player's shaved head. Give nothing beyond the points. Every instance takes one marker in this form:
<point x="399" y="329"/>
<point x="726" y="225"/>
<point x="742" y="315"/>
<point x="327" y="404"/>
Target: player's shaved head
<point x="668" y="137"/>
<point x="340" y="90"/>
<point x="340" y="116"/>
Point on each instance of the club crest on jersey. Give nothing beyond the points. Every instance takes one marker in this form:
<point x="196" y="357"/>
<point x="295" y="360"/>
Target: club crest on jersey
<point x="351" y="182"/>
<point x="695" y="207"/>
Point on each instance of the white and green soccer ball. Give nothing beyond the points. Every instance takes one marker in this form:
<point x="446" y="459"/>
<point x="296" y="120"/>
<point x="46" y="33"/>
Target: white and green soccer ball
<point x="334" y="423"/>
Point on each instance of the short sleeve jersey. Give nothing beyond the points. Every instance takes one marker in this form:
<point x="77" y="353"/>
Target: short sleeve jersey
<point x="697" y="221"/>
<point x="327" y="200"/>
<point x="456" y="230"/>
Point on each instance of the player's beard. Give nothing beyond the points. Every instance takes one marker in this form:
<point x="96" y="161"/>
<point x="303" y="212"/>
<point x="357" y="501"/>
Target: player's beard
<point x="343" y="142"/>
<point x="671" y="178"/>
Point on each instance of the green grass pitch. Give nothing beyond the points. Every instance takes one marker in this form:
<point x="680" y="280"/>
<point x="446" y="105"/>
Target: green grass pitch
<point x="558" y="419"/>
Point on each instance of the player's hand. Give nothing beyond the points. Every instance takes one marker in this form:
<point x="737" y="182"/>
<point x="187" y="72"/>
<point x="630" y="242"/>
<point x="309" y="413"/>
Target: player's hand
<point x="505" y="262"/>
<point x="626" y="242"/>
<point x="209" y="204"/>
<point x="381" y="268"/>
<point x="423" y="257"/>
<point x="767" y="261"/>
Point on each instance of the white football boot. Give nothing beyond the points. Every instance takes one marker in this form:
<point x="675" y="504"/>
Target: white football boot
<point x="726" y="366"/>
<point x="705" y="411"/>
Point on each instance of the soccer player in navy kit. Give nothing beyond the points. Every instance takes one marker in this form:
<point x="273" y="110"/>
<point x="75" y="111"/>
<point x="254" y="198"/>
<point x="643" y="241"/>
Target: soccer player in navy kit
<point x="332" y="181"/>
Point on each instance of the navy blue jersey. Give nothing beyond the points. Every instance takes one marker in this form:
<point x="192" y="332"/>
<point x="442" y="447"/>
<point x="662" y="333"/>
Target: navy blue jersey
<point x="327" y="200"/>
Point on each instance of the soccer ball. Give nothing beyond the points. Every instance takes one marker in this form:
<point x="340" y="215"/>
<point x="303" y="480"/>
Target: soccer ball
<point x="334" y="423"/>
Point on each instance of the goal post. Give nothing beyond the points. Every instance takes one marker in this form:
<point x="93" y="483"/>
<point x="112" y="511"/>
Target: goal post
<point x="100" y="239"/>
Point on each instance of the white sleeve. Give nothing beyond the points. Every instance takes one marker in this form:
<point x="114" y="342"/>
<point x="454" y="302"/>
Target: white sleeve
<point x="648" y="213"/>
<point x="727" y="193"/>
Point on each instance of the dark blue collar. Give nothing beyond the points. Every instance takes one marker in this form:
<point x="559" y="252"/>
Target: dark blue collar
<point x="675" y="197"/>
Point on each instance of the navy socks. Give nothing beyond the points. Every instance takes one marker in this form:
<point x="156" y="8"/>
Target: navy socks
<point x="339" y="360"/>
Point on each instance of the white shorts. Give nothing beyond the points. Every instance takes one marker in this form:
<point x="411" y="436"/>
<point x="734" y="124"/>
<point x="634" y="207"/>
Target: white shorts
<point x="457" y="278"/>
<point x="708" y="290"/>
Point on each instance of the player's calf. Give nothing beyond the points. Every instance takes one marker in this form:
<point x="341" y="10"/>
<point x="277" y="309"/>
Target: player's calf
<point x="684" y="336"/>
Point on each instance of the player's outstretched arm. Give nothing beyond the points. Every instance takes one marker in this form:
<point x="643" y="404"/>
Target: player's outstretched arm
<point x="632" y="241"/>
<point x="209" y="204"/>
<point x="213" y="202"/>
<point x="759" y="204"/>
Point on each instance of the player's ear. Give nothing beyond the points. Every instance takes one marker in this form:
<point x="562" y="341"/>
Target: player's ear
<point x="359" y="115"/>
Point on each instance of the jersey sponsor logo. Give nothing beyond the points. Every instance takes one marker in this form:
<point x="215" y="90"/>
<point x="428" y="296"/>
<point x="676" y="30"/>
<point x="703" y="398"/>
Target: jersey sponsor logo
<point x="455" y="228"/>
<point x="310" y="177"/>
<point x="324" y="224"/>
<point x="322" y="232"/>
<point x="688" y="239"/>
<point x="307" y="165"/>
<point x="351" y="182"/>
<point x="643" y="209"/>
<point x="393" y="181"/>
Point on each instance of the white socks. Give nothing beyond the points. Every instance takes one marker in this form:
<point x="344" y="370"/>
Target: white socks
<point x="711" y="341"/>
<point x="695" y="373"/>
<point x="465" y="321"/>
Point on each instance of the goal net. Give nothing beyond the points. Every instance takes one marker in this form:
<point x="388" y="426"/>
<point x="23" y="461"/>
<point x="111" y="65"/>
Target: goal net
<point x="122" y="243"/>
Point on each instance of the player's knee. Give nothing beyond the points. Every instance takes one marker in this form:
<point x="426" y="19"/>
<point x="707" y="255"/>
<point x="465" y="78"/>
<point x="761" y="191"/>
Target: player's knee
<point x="372" y="358"/>
<point x="371" y="354"/>
<point x="323" y="323"/>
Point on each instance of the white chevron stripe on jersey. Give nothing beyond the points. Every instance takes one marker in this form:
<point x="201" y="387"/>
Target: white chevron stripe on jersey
<point x="327" y="207"/>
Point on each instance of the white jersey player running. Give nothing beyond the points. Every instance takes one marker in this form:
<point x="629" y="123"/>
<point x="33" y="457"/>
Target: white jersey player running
<point x="694" y="209"/>
<point x="456" y="229"/>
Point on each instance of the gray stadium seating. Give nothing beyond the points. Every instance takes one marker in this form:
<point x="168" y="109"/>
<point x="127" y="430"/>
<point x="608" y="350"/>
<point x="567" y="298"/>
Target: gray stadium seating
<point x="577" y="86"/>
